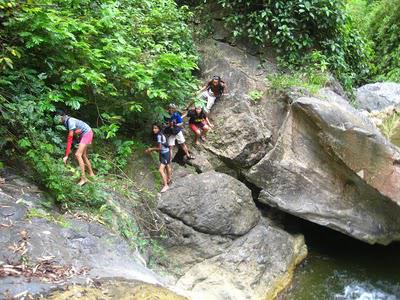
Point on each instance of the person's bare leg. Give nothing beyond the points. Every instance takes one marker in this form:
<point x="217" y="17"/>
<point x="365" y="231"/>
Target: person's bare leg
<point x="168" y="170"/>
<point x="185" y="149"/>
<point x="164" y="178"/>
<point x="196" y="136"/>
<point x="205" y="130"/>
<point x="79" y="158"/>
<point x="87" y="161"/>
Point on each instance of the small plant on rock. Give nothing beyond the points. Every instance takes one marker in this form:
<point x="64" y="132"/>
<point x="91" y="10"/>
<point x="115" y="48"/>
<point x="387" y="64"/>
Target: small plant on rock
<point x="255" y="95"/>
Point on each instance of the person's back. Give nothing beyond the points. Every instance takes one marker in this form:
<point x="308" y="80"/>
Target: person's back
<point x="175" y="122"/>
<point x="76" y="126"/>
<point x="71" y="123"/>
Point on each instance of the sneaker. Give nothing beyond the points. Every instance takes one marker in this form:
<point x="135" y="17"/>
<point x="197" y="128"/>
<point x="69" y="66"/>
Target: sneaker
<point x="164" y="189"/>
<point x="203" y="138"/>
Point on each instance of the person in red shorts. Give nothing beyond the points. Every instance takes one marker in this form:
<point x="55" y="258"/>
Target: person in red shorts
<point x="199" y="123"/>
<point x="85" y="133"/>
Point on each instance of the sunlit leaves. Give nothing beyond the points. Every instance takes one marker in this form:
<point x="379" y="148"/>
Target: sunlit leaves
<point x="298" y="27"/>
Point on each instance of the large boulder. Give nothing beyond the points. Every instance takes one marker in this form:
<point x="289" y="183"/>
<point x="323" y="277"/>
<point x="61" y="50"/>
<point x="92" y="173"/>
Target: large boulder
<point x="256" y="266"/>
<point x="239" y="137"/>
<point x="332" y="166"/>
<point x="220" y="245"/>
<point x="212" y="203"/>
<point x="243" y="126"/>
<point x="377" y="96"/>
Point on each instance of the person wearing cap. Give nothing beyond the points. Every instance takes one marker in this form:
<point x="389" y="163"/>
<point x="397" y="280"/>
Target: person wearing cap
<point x="212" y="91"/>
<point x="174" y="127"/>
<point x="199" y="123"/>
<point x="85" y="133"/>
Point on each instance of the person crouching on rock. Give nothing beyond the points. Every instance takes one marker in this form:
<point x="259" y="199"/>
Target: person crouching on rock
<point x="85" y="133"/>
<point x="199" y="123"/>
<point x="212" y="91"/>
<point x="173" y="129"/>
<point x="165" y="156"/>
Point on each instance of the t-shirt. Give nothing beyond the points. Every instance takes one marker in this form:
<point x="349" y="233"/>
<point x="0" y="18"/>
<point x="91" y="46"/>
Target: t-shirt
<point x="73" y="124"/>
<point x="195" y="118"/>
<point x="161" y="139"/>
<point x="175" y="118"/>
<point x="217" y="90"/>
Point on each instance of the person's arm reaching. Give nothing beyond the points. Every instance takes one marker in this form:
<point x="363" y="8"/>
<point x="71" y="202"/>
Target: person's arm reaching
<point x="204" y="87"/>
<point x="208" y="122"/>
<point x="225" y="89"/>
<point x="70" y="137"/>
<point x="158" y="149"/>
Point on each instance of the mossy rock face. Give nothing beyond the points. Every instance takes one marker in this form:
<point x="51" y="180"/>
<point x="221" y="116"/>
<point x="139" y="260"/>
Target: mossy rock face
<point x="395" y="139"/>
<point x="116" y="290"/>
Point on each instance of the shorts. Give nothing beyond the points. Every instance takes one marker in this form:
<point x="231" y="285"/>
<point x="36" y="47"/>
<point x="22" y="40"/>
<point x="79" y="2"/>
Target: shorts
<point x="210" y="100"/>
<point x="165" y="158"/>
<point x="196" y="126"/>
<point x="179" y="137"/>
<point x="87" y="138"/>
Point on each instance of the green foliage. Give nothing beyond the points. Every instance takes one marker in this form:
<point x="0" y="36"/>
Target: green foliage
<point x="116" y="63"/>
<point x="41" y="214"/>
<point x="308" y="79"/>
<point x="255" y="95"/>
<point x="359" y="11"/>
<point x="390" y="125"/>
<point x="296" y="28"/>
<point x="130" y="211"/>
<point x="383" y="30"/>
<point x="200" y="102"/>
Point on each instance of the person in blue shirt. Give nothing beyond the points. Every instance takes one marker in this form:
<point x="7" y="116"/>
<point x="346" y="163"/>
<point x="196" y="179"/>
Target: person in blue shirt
<point x="165" y="156"/>
<point x="174" y="127"/>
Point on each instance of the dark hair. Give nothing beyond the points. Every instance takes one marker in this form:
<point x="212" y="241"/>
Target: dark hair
<point x="154" y="136"/>
<point x="60" y="112"/>
<point x="215" y="77"/>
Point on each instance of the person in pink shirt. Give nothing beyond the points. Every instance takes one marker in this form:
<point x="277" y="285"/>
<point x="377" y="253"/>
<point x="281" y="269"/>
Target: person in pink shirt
<point x="85" y="133"/>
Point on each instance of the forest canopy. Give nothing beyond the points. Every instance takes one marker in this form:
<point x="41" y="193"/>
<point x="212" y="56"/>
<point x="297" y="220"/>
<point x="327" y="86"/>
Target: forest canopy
<point x="117" y="63"/>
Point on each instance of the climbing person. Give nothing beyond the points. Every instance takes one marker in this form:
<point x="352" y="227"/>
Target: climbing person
<point x="173" y="130"/>
<point x="212" y="91"/>
<point x="199" y="123"/>
<point x="85" y="134"/>
<point x="165" y="156"/>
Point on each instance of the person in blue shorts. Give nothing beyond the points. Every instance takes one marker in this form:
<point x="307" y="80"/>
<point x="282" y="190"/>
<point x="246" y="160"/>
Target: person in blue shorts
<point x="165" y="156"/>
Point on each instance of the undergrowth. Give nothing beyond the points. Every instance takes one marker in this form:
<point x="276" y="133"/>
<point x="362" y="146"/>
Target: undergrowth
<point x="312" y="81"/>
